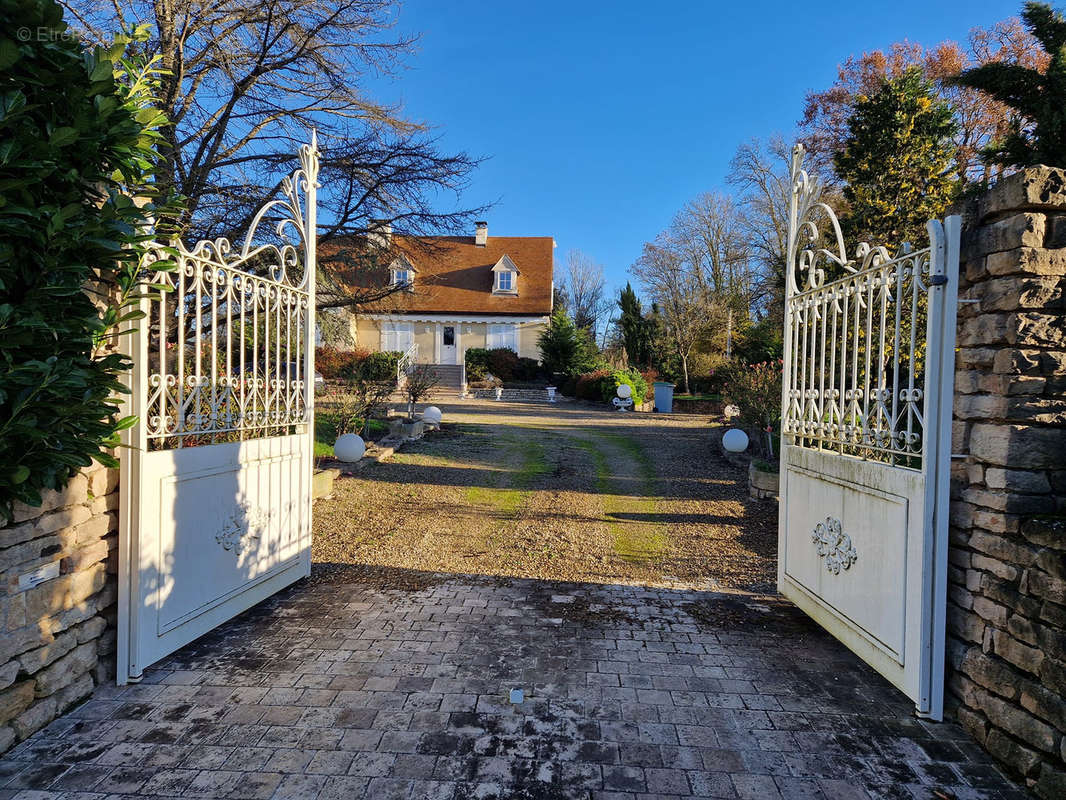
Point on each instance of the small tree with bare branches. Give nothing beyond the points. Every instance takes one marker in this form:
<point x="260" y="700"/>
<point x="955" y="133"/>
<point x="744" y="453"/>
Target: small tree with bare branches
<point x="421" y="380"/>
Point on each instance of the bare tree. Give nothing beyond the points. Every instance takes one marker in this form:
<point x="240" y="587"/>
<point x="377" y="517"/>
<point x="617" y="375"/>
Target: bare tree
<point x="584" y="289"/>
<point x="762" y="174"/>
<point x="246" y="83"/>
<point x="674" y="284"/>
<point x="708" y="231"/>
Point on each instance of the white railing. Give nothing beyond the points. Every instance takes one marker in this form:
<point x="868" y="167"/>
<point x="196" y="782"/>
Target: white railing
<point x="403" y="365"/>
<point x="857" y="336"/>
<point x="229" y="340"/>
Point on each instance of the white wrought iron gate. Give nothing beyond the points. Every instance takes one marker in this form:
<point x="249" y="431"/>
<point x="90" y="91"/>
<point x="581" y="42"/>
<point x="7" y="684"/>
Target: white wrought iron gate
<point x="216" y="483"/>
<point x="866" y="438"/>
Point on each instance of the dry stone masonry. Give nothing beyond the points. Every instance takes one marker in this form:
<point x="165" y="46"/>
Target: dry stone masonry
<point x="1007" y="573"/>
<point x="57" y="602"/>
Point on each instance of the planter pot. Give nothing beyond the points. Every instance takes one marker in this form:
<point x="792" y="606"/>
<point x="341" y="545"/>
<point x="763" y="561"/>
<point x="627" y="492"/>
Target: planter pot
<point x="322" y="482"/>
<point x="763" y="485"/>
<point x="412" y="429"/>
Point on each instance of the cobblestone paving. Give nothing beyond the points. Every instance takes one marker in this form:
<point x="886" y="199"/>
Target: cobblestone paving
<point x="340" y="690"/>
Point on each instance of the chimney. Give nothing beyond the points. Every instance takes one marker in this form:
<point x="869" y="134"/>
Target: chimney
<point x="481" y="233"/>
<point x="380" y="233"/>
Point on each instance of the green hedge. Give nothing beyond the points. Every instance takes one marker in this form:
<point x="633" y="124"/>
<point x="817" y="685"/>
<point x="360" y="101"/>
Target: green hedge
<point x="603" y="385"/>
<point x="78" y="132"/>
<point x="349" y="365"/>
<point x="502" y="363"/>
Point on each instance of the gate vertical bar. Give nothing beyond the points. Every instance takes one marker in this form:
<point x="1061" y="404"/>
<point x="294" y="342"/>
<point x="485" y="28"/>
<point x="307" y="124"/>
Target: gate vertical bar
<point x="309" y="156"/>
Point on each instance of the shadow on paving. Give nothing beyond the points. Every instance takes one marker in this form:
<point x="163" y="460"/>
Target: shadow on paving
<point x="384" y="683"/>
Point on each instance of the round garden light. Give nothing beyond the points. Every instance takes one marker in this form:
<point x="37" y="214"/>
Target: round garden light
<point x="431" y="415"/>
<point x="349" y="447"/>
<point x="625" y="391"/>
<point x="735" y="441"/>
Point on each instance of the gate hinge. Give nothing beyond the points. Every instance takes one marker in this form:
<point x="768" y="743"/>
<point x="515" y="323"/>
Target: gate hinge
<point x="938" y="280"/>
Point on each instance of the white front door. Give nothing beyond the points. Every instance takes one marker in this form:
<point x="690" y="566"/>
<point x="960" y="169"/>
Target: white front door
<point x="447" y="344"/>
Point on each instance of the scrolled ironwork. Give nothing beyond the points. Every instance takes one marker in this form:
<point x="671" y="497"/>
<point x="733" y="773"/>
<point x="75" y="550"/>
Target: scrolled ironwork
<point x="856" y="335"/>
<point x="227" y="336"/>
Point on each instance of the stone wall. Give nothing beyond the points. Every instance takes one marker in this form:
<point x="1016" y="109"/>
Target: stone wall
<point x="1007" y="573"/>
<point x="57" y="602"/>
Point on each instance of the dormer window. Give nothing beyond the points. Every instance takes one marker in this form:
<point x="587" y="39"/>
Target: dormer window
<point x="402" y="274"/>
<point x="505" y="277"/>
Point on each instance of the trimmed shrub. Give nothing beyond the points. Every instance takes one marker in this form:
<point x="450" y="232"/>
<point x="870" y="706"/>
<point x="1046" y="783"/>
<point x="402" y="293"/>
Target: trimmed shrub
<point x="379" y="366"/>
<point x="603" y="385"/>
<point x="79" y="131"/>
<point x="589" y="386"/>
<point x="755" y="390"/>
<point x="352" y="364"/>
<point x="631" y="377"/>
<point x="477" y="363"/>
<point x="502" y="362"/>
<point x="528" y="369"/>
<point x="331" y="362"/>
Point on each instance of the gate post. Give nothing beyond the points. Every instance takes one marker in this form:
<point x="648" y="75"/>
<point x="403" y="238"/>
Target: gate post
<point x="1007" y="573"/>
<point x="939" y="390"/>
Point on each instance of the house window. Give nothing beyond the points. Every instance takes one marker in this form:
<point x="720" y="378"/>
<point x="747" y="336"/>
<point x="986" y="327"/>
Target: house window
<point x="502" y="336"/>
<point x="505" y="277"/>
<point x="402" y="277"/>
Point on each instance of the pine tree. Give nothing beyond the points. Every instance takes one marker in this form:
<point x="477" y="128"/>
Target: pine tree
<point x="561" y="342"/>
<point x="636" y="336"/>
<point x="1038" y="128"/>
<point x="898" y="162"/>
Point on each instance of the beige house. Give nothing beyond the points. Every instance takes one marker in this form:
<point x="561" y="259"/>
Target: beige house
<point x="462" y="292"/>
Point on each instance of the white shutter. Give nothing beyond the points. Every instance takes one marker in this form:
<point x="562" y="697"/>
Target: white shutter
<point x="503" y="336"/>
<point x="397" y="336"/>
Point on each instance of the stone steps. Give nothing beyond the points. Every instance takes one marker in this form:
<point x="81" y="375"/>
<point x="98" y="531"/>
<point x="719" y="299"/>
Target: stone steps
<point x="451" y="379"/>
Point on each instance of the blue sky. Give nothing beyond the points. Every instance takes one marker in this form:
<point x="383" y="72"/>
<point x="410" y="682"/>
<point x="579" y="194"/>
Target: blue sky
<point x="602" y="119"/>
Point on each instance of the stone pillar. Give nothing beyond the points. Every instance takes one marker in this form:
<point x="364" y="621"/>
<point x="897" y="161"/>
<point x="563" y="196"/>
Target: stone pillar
<point x="57" y="602"/>
<point x="1007" y="573"/>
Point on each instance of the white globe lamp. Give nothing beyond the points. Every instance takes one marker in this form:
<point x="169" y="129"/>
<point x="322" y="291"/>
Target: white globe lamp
<point x="625" y="391"/>
<point x="735" y="440"/>
<point x="349" y="447"/>
<point x="431" y="415"/>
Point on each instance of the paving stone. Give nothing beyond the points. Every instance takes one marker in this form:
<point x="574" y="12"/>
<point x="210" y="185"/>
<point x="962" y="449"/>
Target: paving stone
<point x="345" y="691"/>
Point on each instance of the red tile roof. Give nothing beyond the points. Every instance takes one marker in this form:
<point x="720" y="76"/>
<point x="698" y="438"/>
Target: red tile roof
<point x="452" y="274"/>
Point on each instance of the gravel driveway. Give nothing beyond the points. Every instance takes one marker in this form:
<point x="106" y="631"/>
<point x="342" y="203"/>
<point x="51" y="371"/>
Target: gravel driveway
<point x="559" y="493"/>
